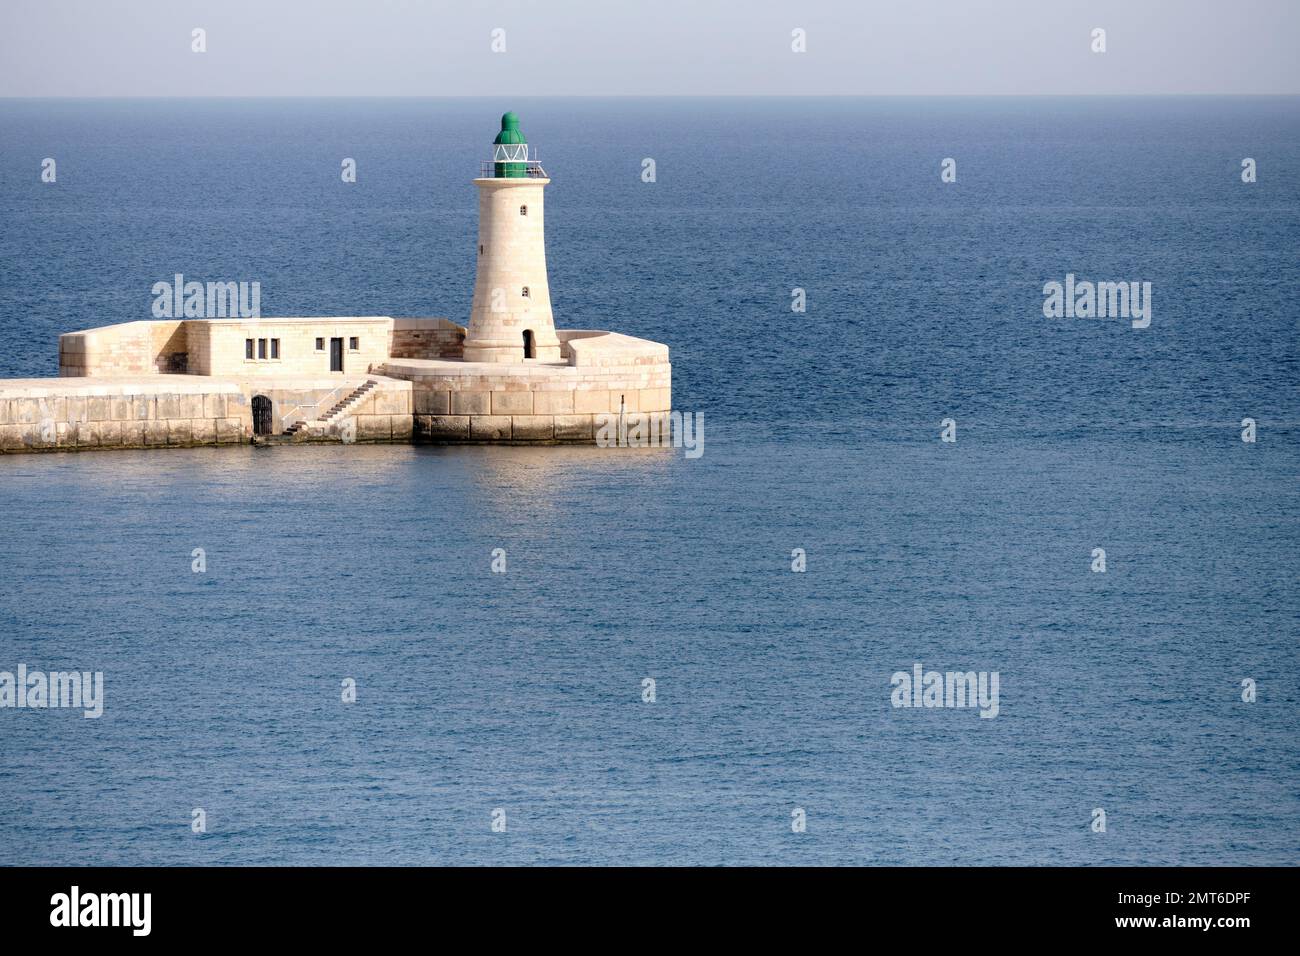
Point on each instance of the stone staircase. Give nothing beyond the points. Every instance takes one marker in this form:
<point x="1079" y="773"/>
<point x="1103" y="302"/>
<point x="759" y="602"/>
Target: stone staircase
<point x="336" y="412"/>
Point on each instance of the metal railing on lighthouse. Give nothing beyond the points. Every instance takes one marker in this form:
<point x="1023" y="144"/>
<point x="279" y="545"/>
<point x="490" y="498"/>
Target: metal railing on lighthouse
<point x="511" y="160"/>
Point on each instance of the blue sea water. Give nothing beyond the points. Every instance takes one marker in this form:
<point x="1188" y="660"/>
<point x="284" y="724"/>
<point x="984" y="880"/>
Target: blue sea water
<point x="523" y="691"/>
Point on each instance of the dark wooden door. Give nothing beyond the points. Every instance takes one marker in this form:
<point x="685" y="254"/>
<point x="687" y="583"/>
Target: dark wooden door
<point x="261" y="415"/>
<point x="336" y="355"/>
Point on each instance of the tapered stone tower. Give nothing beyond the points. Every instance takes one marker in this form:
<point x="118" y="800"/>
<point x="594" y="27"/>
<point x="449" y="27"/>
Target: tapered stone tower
<point x="510" y="319"/>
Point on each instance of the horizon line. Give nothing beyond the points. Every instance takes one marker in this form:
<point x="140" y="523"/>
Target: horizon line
<point x="636" y="96"/>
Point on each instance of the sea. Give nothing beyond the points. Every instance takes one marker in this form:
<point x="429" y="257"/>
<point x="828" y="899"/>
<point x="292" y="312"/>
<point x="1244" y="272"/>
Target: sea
<point x="308" y="657"/>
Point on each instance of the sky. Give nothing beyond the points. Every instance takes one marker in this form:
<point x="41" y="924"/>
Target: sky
<point x="648" y="48"/>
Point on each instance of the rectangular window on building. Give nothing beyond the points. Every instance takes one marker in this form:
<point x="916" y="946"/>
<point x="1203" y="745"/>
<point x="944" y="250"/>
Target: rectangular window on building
<point x="354" y="343"/>
<point x="248" y="348"/>
<point x="275" y="348"/>
<point x="261" y="348"/>
<point x="320" y="345"/>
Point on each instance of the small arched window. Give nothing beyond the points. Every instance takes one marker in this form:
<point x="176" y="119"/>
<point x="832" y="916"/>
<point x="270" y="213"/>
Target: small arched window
<point x="528" y="344"/>
<point x="523" y="210"/>
<point x="480" y="250"/>
<point x="525" y="292"/>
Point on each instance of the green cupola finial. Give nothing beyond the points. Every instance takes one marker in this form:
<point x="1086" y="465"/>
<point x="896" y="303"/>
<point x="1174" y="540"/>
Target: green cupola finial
<point x="510" y="149"/>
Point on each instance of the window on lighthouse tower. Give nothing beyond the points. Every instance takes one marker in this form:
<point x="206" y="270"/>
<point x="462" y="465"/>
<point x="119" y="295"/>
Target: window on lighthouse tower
<point x="525" y="292"/>
<point x="523" y="210"/>
<point x="528" y="343"/>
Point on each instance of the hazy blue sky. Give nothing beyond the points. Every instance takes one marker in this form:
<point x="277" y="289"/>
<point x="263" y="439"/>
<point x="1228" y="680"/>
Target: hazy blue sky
<point x="583" y="47"/>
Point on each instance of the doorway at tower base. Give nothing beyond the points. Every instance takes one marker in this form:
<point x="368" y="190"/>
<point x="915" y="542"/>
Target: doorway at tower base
<point x="600" y="373"/>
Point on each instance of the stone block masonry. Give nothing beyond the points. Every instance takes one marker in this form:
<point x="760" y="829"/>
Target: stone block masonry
<point x="75" y="414"/>
<point x="128" y="349"/>
<point x="518" y="429"/>
<point x="537" y="402"/>
<point x="426" y="339"/>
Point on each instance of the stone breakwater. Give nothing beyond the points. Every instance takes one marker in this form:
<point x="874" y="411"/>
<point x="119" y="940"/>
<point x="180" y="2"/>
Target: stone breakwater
<point x="79" y="414"/>
<point x="422" y="400"/>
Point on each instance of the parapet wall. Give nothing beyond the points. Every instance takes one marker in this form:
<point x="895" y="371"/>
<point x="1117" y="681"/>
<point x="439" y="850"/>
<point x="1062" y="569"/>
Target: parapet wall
<point x="131" y="348"/>
<point x="584" y="347"/>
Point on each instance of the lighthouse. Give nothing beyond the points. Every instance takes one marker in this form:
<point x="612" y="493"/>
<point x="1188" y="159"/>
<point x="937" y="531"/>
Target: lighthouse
<point x="510" y="319"/>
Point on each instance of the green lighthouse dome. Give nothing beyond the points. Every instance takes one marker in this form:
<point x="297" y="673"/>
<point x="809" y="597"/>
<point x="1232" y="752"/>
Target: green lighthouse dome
<point x="510" y="130"/>
<point x="515" y="148"/>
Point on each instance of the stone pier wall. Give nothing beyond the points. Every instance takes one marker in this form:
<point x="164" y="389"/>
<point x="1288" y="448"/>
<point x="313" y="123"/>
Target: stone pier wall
<point x="85" y="413"/>
<point x="478" y="412"/>
<point x="74" y="414"/>
<point x="541" y="402"/>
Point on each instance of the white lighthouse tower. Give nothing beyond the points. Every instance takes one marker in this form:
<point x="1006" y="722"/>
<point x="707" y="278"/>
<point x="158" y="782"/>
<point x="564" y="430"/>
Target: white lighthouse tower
<point x="510" y="319"/>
